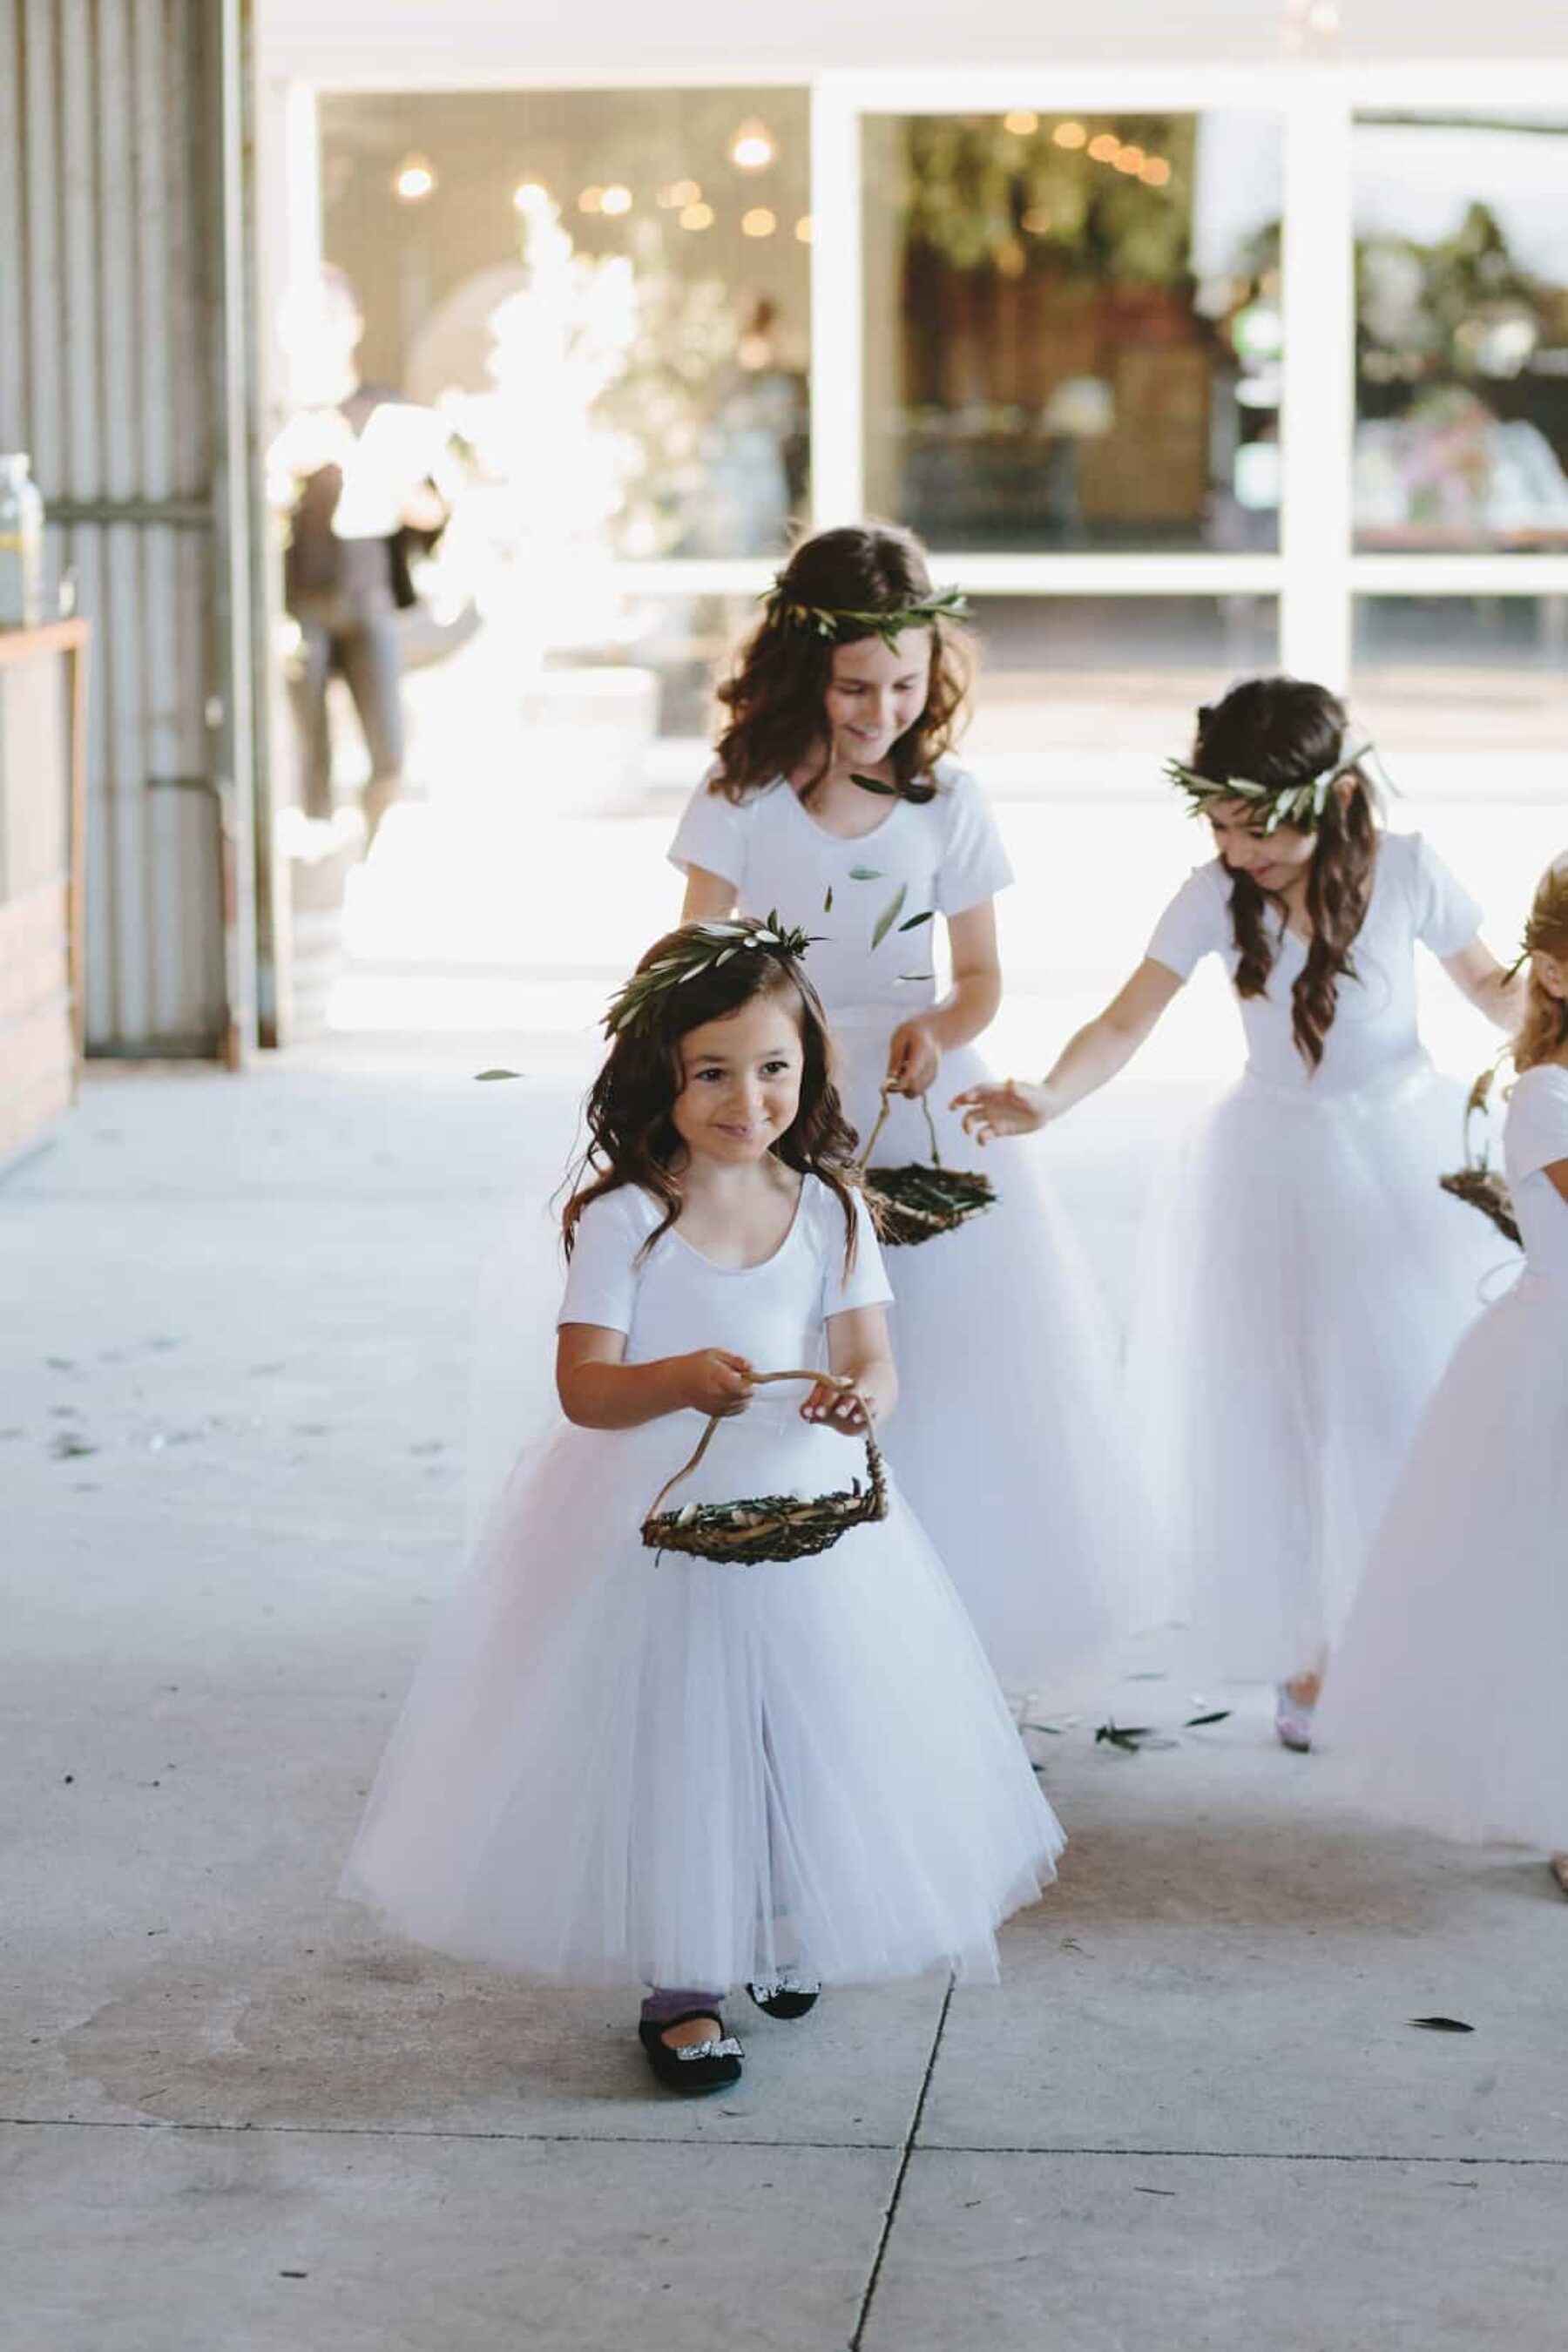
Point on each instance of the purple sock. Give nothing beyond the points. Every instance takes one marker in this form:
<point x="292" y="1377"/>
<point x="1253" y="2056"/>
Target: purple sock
<point x="663" y="2003"/>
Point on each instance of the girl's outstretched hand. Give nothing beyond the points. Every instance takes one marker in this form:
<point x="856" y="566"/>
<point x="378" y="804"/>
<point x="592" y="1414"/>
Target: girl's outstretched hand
<point x="1005" y="1107"/>
<point x="714" y="1382"/>
<point x="914" y="1059"/>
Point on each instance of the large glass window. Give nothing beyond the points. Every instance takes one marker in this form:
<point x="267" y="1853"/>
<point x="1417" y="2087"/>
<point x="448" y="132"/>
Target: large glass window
<point x="608" y="288"/>
<point x="1461" y="332"/>
<point x="1073" y="333"/>
<point x="1483" y="677"/>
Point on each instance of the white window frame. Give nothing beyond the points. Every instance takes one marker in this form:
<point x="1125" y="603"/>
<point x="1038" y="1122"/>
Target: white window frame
<point x="1316" y="575"/>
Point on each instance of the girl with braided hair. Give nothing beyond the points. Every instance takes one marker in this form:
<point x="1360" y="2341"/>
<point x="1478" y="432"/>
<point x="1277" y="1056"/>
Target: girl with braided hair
<point x="621" y="1761"/>
<point x="1310" y="1280"/>
<point x="1445" y="1697"/>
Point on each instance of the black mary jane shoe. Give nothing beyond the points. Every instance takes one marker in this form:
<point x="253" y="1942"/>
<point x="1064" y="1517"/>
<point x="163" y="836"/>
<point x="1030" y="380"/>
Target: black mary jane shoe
<point x="785" y="1995"/>
<point x="701" y="2067"/>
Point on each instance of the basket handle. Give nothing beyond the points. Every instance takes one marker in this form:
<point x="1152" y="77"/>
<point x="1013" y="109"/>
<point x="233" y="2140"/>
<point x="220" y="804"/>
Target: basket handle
<point x="887" y="1091"/>
<point x="834" y="1380"/>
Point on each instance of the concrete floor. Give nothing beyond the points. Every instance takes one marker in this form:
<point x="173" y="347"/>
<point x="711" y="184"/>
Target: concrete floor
<point x="238" y="2119"/>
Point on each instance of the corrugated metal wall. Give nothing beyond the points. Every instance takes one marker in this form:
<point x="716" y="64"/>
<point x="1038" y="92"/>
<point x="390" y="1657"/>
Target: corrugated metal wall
<point x="114" y="266"/>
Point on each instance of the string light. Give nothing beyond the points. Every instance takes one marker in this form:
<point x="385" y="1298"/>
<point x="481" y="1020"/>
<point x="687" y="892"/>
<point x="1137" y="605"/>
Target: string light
<point x="1011" y="259"/>
<point x="803" y="229"/>
<point x="1070" y="135"/>
<point x="1128" y="160"/>
<point x="1106" y="148"/>
<point x="698" y="215"/>
<point x="1154" y="170"/>
<point x="1021" y="123"/>
<point x="1036" y="221"/>
<point x="616" y="201"/>
<point x="677" y="194"/>
<point x="590" y="200"/>
<point x="415" y="180"/>
<point x="751" y="148"/>
<point x="529" y="192"/>
<point x="758" y="222"/>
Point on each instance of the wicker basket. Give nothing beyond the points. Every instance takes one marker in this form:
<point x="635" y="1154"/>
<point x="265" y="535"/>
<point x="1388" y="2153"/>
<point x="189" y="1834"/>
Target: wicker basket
<point x="1477" y="1182"/>
<point x="767" y="1527"/>
<point x="916" y="1203"/>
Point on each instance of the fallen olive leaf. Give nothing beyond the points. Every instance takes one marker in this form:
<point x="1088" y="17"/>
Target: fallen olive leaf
<point x="1443" y="2024"/>
<point x="865" y="873"/>
<point x="890" y="915"/>
<point x="481" y="1076"/>
<point x="914" y="921"/>
<point x="827" y="902"/>
<point x="1196" y="1722"/>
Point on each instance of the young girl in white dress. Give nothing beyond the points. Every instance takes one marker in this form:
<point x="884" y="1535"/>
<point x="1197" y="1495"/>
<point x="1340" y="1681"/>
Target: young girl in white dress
<point x="832" y="798"/>
<point x="1310" y="1280"/>
<point x="1445" y="1698"/>
<point x="618" y="1763"/>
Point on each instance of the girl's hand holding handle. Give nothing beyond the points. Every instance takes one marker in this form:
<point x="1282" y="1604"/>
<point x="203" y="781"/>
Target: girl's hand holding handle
<point x="1004" y="1106"/>
<point x="914" y="1059"/>
<point x="712" y="1381"/>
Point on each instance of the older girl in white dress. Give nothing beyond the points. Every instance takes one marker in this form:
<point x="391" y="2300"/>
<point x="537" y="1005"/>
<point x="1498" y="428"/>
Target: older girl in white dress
<point x="832" y="799"/>
<point x="1308" y="1280"/>
<point x="628" y="1764"/>
<point x="1445" y="1698"/>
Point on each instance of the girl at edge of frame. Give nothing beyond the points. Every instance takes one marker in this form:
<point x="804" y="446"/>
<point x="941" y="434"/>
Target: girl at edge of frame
<point x="618" y="1764"/>
<point x="833" y="795"/>
<point x="1306" y="1280"/>
<point x="1443" y="1700"/>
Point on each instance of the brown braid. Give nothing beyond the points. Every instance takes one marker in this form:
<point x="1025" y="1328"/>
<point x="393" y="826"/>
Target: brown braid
<point x="1282" y="730"/>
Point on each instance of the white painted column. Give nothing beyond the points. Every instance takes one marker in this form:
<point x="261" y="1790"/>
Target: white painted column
<point x="1318" y="420"/>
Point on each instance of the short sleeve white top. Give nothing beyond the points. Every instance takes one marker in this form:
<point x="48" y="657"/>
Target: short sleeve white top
<point x="1413" y="897"/>
<point x="1535" y="1136"/>
<point x="674" y="1300"/>
<point x="944" y="855"/>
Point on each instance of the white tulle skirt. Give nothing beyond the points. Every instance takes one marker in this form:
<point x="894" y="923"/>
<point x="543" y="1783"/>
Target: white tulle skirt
<point x="613" y="1765"/>
<point x="1444" y="1707"/>
<point x="1006" y="1439"/>
<point x="1304" y="1287"/>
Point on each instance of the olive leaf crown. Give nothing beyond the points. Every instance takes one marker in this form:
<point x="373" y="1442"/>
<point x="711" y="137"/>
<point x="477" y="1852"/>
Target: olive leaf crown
<point x="1272" y="805"/>
<point x="1547" y="927"/>
<point x="698" y="948"/>
<point x="836" y="623"/>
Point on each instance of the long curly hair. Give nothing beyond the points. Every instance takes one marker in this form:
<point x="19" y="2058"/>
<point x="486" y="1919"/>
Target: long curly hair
<point x="776" y="694"/>
<point x="1543" y="1030"/>
<point x="1283" y="732"/>
<point x="632" y="1138"/>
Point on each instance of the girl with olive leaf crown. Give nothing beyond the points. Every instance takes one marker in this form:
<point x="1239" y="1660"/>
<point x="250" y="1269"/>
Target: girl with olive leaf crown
<point x="832" y="798"/>
<point x="1308" y="1279"/>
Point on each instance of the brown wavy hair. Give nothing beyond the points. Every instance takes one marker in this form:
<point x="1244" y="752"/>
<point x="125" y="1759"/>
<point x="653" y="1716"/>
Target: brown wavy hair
<point x="1545" y="1027"/>
<point x="1282" y="732"/>
<point x="776" y="694"/>
<point x="632" y="1138"/>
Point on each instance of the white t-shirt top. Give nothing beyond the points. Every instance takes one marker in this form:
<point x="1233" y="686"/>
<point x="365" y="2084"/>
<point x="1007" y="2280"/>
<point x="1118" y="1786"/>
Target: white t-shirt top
<point x="1535" y="1136"/>
<point x="675" y="1299"/>
<point x="1413" y="897"/>
<point x="944" y="854"/>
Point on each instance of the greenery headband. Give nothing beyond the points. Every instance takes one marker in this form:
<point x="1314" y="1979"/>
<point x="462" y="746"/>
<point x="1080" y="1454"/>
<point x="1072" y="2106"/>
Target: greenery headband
<point x="838" y="625"/>
<point x="1270" y="805"/>
<point x="697" y="947"/>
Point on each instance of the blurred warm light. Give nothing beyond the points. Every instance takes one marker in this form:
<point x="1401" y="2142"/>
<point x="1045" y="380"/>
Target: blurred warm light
<point x="1130" y="159"/>
<point x="528" y="192"/>
<point x="803" y="229"/>
<point x="1037" y="220"/>
<point x="1154" y="170"/>
<point x="758" y="222"/>
<point x="1021" y="123"/>
<point x="590" y="200"/>
<point x="679" y="193"/>
<point x="1011" y="259"/>
<point x="751" y="148"/>
<point x="1070" y="135"/>
<point x="616" y="200"/>
<point x="696" y="216"/>
<point x="1106" y="148"/>
<point x="415" y="180"/>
